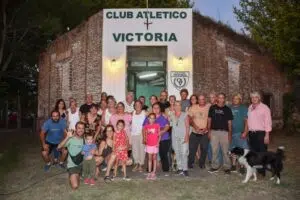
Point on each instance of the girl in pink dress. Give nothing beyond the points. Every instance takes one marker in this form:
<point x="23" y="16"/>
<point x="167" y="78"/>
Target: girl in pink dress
<point x="151" y="133"/>
<point x="120" y="147"/>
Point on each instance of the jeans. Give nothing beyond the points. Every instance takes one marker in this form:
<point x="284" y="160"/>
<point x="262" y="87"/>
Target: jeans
<point x="195" y="141"/>
<point x="164" y="147"/>
<point x="181" y="151"/>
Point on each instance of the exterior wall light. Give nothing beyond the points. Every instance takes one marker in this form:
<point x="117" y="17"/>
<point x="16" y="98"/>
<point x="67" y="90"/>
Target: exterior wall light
<point x="180" y="61"/>
<point x="113" y="63"/>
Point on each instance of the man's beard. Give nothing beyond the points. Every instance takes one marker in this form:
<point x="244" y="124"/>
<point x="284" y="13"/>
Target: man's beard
<point x="55" y="121"/>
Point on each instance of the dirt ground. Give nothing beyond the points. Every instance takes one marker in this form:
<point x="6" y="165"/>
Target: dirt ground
<point x="25" y="171"/>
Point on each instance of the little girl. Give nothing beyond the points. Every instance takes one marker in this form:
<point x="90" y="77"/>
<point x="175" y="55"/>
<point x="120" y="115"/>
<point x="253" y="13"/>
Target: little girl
<point x="120" y="148"/>
<point x="151" y="140"/>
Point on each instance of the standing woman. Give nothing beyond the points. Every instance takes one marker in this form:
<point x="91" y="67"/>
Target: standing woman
<point x="171" y="110"/>
<point x="73" y="115"/>
<point x="102" y="107"/>
<point x="93" y="122"/>
<point x="153" y="99"/>
<point x="109" y="111"/>
<point x="180" y="138"/>
<point x="60" y="106"/>
<point x="121" y="115"/>
<point x="138" y="148"/>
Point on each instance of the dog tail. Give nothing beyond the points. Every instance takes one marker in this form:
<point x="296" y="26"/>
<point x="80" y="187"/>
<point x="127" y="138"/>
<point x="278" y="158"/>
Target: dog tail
<point x="280" y="152"/>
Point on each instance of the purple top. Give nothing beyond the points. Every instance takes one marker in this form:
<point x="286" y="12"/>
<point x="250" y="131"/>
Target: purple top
<point x="162" y="121"/>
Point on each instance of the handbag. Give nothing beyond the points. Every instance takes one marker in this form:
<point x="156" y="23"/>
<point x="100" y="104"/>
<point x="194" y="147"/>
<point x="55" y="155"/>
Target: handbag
<point x="77" y="159"/>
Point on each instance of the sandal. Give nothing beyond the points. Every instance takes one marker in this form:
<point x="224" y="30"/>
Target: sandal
<point x="107" y="179"/>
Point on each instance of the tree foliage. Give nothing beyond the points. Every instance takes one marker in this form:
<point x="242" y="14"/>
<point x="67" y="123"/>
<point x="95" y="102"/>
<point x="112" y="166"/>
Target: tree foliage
<point x="274" y="24"/>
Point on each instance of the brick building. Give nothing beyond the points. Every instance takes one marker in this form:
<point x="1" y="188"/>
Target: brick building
<point x="185" y="50"/>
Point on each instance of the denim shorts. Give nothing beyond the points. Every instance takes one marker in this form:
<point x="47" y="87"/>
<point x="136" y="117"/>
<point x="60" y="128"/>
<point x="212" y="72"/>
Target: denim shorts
<point x="237" y="141"/>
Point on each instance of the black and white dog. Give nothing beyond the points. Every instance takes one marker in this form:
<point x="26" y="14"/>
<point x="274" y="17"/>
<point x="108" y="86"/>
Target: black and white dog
<point x="271" y="161"/>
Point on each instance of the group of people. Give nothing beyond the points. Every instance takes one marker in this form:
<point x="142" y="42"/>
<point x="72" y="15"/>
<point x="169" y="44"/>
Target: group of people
<point x="168" y="134"/>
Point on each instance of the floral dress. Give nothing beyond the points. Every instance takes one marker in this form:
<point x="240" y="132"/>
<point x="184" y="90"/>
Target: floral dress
<point x="121" y="142"/>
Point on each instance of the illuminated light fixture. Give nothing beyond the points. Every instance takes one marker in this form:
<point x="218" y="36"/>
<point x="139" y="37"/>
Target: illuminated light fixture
<point x="148" y="75"/>
<point x="113" y="62"/>
<point x="180" y="61"/>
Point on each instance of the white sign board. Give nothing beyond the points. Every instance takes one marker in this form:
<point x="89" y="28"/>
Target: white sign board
<point x="147" y="27"/>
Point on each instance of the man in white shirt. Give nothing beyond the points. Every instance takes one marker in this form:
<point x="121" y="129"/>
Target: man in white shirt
<point x="129" y="103"/>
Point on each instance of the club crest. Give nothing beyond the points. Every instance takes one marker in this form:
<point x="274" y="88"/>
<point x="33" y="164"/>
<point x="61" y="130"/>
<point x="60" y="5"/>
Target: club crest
<point x="180" y="79"/>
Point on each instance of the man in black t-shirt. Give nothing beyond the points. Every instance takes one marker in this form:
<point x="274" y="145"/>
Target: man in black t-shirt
<point x="219" y="126"/>
<point x="85" y="108"/>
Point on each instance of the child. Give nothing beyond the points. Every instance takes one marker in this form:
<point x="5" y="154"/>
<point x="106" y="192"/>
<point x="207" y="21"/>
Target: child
<point x="89" y="163"/>
<point x="120" y="148"/>
<point x="151" y="140"/>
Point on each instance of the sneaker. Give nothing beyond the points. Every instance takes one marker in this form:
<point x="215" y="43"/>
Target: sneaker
<point x="47" y="167"/>
<point x="179" y="172"/>
<point x="104" y="169"/>
<point x="202" y="166"/>
<point x="185" y="173"/>
<point x="212" y="170"/>
<point x="227" y="171"/>
<point x="126" y="178"/>
<point x="92" y="181"/>
<point x="191" y="167"/>
<point x="148" y="176"/>
<point x="153" y="176"/>
<point x="233" y="168"/>
<point x="86" y="181"/>
<point x="61" y="165"/>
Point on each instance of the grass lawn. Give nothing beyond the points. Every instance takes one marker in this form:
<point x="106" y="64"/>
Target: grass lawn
<point x="200" y="185"/>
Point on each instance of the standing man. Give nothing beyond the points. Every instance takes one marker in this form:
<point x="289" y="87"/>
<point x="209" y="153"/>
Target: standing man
<point x="220" y="132"/>
<point x="129" y="102"/>
<point x="51" y="135"/>
<point x="163" y="101"/>
<point x="185" y="103"/>
<point x="143" y="100"/>
<point x="259" y="124"/>
<point x="198" y="116"/>
<point x="85" y="108"/>
<point x="239" y="126"/>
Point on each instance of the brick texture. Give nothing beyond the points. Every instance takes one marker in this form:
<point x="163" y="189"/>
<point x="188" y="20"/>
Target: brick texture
<point x="72" y="65"/>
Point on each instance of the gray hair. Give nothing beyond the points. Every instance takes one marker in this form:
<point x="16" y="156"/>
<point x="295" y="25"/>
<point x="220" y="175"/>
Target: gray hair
<point x="255" y="94"/>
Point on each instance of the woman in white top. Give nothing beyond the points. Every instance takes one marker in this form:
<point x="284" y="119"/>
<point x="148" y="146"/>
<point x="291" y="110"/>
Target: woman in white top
<point x="109" y="111"/>
<point x="138" y="148"/>
<point x="73" y="115"/>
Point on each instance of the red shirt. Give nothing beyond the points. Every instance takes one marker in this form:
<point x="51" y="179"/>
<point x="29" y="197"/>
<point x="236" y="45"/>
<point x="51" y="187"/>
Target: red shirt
<point x="152" y="134"/>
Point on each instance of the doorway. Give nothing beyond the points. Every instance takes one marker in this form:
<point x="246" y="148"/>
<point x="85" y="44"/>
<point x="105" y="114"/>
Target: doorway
<point x="146" y="70"/>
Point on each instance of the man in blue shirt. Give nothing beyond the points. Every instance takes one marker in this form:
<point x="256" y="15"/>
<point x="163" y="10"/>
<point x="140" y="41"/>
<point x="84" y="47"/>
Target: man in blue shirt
<point x="239" y="126"/>
<point x="51" y="135"/>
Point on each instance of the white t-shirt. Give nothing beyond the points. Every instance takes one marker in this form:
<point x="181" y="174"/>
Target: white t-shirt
<point x="73" y="118"/>
<point x="137" y="123"/>
<point x="129" y="107"/>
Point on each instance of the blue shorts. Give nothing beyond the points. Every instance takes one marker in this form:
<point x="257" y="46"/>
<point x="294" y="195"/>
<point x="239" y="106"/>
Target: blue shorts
<point x="237" y="141"/>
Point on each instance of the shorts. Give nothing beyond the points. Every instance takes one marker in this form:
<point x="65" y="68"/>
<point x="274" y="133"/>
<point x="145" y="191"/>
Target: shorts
<point x="52" y="147"/>
<point x="75" y="170"/>
<point x="151" y="149"/>
<point x="237" y="141"/>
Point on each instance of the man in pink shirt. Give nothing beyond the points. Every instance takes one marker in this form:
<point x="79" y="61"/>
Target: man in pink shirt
<point x="259" y="124"/>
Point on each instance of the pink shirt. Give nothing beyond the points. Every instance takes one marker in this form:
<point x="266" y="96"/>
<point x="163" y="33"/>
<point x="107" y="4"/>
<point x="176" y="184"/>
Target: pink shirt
<point x="152" y="134"/>
<point x="259" y="118"/>
<point x="126" y="117"/>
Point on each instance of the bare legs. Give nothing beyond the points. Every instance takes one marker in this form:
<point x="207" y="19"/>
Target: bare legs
<point x="74" y="181"/>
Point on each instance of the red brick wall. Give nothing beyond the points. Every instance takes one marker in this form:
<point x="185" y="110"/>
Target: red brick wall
<point x="72" y="65"/>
